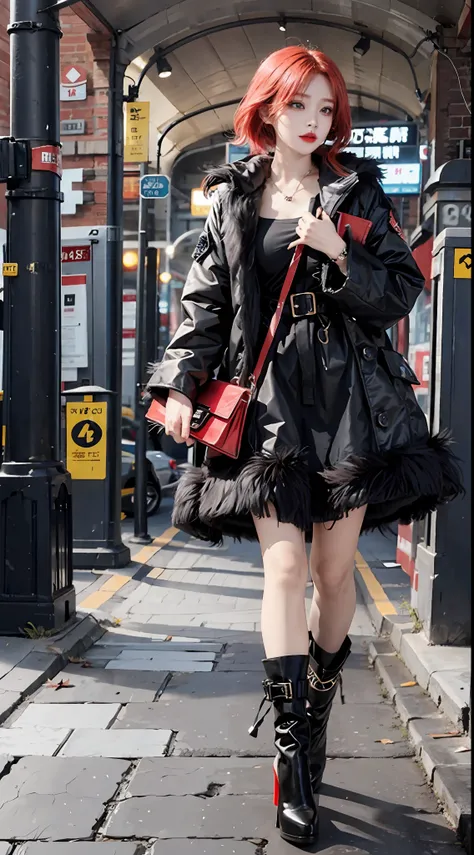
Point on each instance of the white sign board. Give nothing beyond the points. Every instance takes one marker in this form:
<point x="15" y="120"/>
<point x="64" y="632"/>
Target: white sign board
<point x="74" y="321"/>
<point x="129" y="321"/>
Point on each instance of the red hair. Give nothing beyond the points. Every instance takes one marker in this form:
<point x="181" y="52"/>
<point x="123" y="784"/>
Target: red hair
<point x="277" y="80"/>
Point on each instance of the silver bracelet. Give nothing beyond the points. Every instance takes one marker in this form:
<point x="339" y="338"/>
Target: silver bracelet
<point x="341" y="256"/>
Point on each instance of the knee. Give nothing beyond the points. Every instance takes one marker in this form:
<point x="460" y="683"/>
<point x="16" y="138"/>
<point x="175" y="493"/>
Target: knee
<point x="331" y="578"/>
<point x="287" y="568"/>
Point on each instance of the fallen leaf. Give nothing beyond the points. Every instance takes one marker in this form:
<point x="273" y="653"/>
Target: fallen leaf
<point x="385" y="741"/>
<point x="410" y="683"/>
<point x="461" y="750"/>
<point x="446" y="735"/>
<point x="54" y="649"/>
<point x="168" y="638"/>
<point x="63" y="684"/>
<point x="76" y="660"/>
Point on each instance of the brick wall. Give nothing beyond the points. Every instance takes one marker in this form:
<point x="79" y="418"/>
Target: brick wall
<point x="449" y="118"/>
<point x="87" y="151"/>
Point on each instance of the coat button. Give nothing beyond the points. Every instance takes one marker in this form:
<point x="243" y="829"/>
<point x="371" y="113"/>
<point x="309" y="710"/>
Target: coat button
<point x="382" y="420"/>
<point x="369" y="352"/>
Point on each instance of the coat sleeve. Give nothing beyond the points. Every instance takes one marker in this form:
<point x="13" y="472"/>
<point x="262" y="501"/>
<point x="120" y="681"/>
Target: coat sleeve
<point x="383" y="280"/>
<point x="198" y="345"/>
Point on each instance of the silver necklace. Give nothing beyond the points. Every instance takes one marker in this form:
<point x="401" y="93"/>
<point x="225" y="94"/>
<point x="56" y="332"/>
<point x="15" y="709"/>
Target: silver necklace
<point x="290" y="198"/>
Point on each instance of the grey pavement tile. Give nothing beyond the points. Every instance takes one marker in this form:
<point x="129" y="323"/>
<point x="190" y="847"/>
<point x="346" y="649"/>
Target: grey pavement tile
<point x="8" y="701"/>
<point x="114" y="743"/>
<point x="421" y="728"/>
<point x="67" y="715"/>
<point x="204" y="847"/>
<point x="116" y="648"/>
<point x="367" y="808"/>
<point x="12" y="651"/>
<point x="96" y="685"/>
<point x="102" y="848"/>
<point x="29" y="673"/>
<point x="178" y="655"/>
<point x="57" y="798"/>
<point x="162" y="662"/>
<point x="34" y="741"/>
<point x="217" y="724"/>
<point x="186" y="776"/>
<point x="443" y="752"/>
<point x="450" y="691"/>
<point x="423" y="660"/>
<point x="453" y="786"/>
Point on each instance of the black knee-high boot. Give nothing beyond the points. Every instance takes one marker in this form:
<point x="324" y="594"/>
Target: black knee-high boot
<point x="324" y="676"/>
<point x="286" y="687"/>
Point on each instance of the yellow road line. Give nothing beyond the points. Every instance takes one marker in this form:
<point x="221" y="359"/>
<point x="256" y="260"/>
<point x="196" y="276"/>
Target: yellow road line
<point x="381" y="601"/>
<point x="117" y="581"/>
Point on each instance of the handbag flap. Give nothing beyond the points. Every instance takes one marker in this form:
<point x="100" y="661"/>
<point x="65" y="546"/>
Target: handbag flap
<point x="360" y="227"/>
<point x="222" y="398"/>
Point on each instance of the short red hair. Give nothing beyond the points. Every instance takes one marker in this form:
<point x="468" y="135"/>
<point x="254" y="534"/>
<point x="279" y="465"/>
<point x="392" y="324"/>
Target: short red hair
<point x="277" y="80"/>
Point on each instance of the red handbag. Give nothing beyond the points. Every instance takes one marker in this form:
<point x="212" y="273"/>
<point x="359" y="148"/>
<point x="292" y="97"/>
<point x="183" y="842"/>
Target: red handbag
<point x="221" y="408"/>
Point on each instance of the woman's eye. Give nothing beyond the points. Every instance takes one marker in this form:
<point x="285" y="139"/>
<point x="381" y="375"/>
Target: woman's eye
<point x="328" y="109"/>
<point x="296" y="104"/>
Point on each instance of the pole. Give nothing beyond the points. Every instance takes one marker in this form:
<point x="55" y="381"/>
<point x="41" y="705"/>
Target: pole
<point x="35" y="490"/>
<point x="118" y="555"/>
<point x="151" y="334"/>
<point x="140" y="520"/>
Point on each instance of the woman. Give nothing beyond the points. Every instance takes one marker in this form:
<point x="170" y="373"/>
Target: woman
<point x="335" y="441"/>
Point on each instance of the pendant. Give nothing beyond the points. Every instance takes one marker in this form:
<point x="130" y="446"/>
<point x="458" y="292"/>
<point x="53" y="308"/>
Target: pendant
<point x="288" y="198"/>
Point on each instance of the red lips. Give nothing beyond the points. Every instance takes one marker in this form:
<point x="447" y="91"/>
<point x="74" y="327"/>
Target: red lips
<point x="308" y="138"/>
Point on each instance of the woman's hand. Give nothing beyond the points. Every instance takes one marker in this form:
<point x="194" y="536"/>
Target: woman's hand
<point x="179" y="410"/>
<point x="318" y="232"/>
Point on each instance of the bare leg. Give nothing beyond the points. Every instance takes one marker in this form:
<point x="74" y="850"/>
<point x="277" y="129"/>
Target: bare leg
<point x="284" y="625"/>
<point x="332" y="570"/>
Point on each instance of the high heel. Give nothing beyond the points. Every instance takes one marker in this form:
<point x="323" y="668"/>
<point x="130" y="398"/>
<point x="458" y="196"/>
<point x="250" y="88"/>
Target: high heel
<point x="286" y="688"/>
<point x="324" y="676"/>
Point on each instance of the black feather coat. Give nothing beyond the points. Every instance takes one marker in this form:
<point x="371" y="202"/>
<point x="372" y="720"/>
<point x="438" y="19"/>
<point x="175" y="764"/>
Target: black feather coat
<point x="384" y="457"/>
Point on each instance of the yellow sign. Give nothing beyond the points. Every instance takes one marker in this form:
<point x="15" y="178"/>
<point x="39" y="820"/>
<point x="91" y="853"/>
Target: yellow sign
<point x="86" y="431"/>
<point x="137" y="123"/>
<point x="10" y="269"/>
<point x="462" y="263"/>
<point x="200" y="206"/>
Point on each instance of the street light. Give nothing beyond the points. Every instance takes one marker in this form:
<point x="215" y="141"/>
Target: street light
<point x="362" y="46"/>
<point x="163" y="66"/>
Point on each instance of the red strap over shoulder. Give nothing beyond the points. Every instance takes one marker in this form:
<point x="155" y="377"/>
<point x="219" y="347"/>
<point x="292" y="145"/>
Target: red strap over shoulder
<point x="290" y="275"/>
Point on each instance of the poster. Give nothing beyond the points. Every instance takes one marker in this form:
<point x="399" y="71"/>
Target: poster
<point x="74" y="321"/>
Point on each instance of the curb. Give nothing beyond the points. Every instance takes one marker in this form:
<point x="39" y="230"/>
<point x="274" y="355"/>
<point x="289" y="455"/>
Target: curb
<point x="448" y="771"/>
<point x="44" y="659"/>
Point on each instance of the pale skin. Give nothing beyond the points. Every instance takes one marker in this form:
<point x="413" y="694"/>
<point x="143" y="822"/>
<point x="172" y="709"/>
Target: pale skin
<point x="284" y="620"/>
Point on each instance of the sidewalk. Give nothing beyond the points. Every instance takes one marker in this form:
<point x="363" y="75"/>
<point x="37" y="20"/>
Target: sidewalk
<point x="141" y="743"/>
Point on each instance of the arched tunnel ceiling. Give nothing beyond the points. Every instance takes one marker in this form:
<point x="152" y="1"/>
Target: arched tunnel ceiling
<point x="218" y="67"/>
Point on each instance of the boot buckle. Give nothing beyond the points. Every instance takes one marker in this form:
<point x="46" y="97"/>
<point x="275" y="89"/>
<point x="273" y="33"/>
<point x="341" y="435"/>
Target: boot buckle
<point x="273" y="690"/>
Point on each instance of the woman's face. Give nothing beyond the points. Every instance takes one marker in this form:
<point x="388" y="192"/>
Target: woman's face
<point x="304" y="124"/>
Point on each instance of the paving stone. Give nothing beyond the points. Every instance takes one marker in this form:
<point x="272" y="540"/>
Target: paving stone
<point x="67" y="715"/>
<point x="368" y="807"/>
<point x="411" y="705"/>
<point x="242" y="657"/>
<point x="204" y="847"/>
<point x="8" y="702"/>
<point x="160" y="663"/>
<point x="185" y="776"/>
<point x="100" y="686"/>
<point x="56" y="798"/>
<point x="114" y="743"/>
<point x="423" y="660"/>
<point x="178" y="655"/>
<point x="102" y="848"/>
<point x="157" y="646"/>
<point x="419" y="729"/>
<point x="216" y="723"/>
<point x="32" y="671"/>
<point x="34" y="741"/>
<point x="12" y="651"/>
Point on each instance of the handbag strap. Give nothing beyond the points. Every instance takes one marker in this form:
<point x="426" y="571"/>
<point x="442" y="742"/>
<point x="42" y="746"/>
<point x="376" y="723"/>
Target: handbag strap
<point x="290" y="275"/>
<point x="285" y="290"/>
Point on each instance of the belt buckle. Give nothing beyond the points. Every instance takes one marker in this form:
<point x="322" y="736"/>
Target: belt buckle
<point x="295" y="306"/>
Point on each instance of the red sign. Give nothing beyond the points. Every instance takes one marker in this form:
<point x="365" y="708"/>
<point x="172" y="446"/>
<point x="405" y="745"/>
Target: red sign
<point x="46" y="158"/>
<point x="422" y="368"/>
<point x="75" y="253"/>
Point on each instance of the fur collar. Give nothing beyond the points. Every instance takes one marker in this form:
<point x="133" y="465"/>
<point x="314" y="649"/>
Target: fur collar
<point x="249" y="174"/>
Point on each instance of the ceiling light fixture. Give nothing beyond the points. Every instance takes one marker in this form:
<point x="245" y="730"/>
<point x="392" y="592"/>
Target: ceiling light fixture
<point x="362" y="46"/>
<point x="282" y="24"/>
<point x="163" y="66"/>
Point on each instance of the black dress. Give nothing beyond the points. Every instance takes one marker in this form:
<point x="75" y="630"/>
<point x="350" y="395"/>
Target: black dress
<point x="304" y="392"/>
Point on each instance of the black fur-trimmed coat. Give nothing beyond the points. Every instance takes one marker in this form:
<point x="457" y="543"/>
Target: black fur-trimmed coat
<point x="402" y="473"/>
